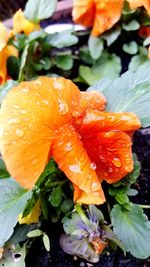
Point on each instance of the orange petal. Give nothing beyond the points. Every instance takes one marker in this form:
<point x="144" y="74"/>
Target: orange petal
<point x="95" y="121"/>
<point x="3" y="65"/>
<point x="138" y="3"/>
<point x="21" y="24"/>
<point x="108" y="13"/>
<point x="29" y="115"/>
<point x="73" y="160"/>
<point x="95" y="198"/>
<point x="92" y="100"/>
<point x="84" y="12"/>
<point x="111" y="153"/>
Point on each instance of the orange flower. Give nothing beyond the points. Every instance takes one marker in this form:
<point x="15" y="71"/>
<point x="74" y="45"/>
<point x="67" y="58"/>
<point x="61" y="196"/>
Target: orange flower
<point x="138" y="3"/>
<point x="102" y="15"/>
<point x="51" y="117"/>
<point x="5" y="52"/>
<point x="21" y="24"/>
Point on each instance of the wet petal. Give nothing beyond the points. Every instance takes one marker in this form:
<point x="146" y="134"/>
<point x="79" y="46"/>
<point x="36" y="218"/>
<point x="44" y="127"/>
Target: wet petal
<point x="30" y="114"/>
<point x="73" y="160"/>
<point x="95" y="121"/>
<point x="83" y="12"/>
<point x="21" y="24"/>
<point x="111" y="152"/>
<point x="138" y="3"/>
<point x="92" y="100"/>
<point x="108" y="12"/>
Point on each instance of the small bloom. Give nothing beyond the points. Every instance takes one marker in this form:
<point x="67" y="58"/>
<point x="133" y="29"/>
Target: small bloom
<point x="21" y="24"/>
<point x="102" y="15"/>
<point x="39" y="118"/>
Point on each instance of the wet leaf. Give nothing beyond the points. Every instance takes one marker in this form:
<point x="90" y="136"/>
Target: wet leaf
<point x="66" y="205"/>
<point x="133" y="229"/>
<point x="111" y="36"/>
<point x="9" y="259"/>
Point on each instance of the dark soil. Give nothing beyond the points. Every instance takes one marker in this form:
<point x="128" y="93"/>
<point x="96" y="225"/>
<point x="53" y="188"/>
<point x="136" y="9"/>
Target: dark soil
<point x="38" y="257"/>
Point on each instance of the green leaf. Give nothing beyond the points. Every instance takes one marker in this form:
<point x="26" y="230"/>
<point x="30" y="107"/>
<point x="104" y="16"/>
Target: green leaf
<point x="147" y="41"/>
<point x="4" y="89"/>
<point x="36" y="10"/>
<point x="56" y="196"/>
<point x="13" y="199"/>
<point x="122" y="198"/>
<point x="8" y="259"/>
<point x="111" y="36"/>
<point x="139" y="60"/>
<point x="96" y="46"/>
<point x="130" y="92"/>
<point x="64" y="62"/>
<point x="66" y="205"/>
<point x="35" y="233"/>
<point x="132" y="192"/>
<point x="46" y="242"/>
<point x="23" y="62"/>
<point x="62" y="39"/>
<point x="84" y="55"/>
<point x="3" y="171"/>
<point x="131" y="48"/>
<point x="109" y="65"/>
<point x="133" y="229"/>
<point x="133" y="25"/>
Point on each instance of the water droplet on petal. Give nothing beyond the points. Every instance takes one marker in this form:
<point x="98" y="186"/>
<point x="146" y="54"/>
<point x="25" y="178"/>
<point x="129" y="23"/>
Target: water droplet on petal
<point x="23" y="111"/>
<point x="56" y="84"/>
<point x="19" y="132"/>
<point x="95" y="186"/>
<point x="38" y="82"/>
<point x="75" y="168"/>
<point x="102" y="158"/>
<point x="116" y="162"/>
<point x="63" y="107"/>
<point x="45" y="102"/>
<point x="16" y="106"/>
<point x="13" y="120"/>
<point x="34" y="161"/>
<point x="93" y="166"/>
<point x="68" y="146"/>
<point x="25" y="90"/>
<point x="110" y="169"/>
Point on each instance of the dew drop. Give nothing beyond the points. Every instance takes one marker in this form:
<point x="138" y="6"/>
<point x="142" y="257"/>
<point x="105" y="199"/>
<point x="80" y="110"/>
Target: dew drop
<point x="45" y="102"/>
<point x="68" y="146"/>
<point x="23" y="111"/>
<point x="63" y="107"/>
<point x="75" y="168"/>
<point x="102" y="158"/>
<point x="34" y="161"/>
<point x="38" y="82"/>
<point x="94" y="186"/>
<point x="116" y="162"/>
<point x="16" y="106"/>
<point x="13" y="120"/>
<point x="56" y="84"/>
<point x="25" y="90"/>
<point x="19" y="132"/>
<point x="110" y="169"/>
<point x="93" y="166"/>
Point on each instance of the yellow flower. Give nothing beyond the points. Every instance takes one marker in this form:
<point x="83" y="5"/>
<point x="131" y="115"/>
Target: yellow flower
<point x="21" y="24"/>
<point x="33" y="216"/>
<point x="5" y="52"/>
